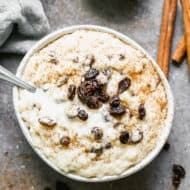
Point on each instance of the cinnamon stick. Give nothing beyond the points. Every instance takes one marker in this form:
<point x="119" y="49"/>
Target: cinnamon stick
<point x="186" y="21"/>
<point x="166" y="33"/>
<point x="180" y="51"/>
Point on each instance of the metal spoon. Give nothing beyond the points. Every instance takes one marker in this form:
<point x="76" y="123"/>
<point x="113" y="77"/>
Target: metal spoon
<point x="8" y="76"/>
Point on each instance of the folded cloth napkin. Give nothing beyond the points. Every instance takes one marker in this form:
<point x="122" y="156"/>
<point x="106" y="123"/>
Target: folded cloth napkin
<point x="22" y="23"/>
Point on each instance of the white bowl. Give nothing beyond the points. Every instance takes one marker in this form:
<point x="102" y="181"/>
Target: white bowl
<point x="47" y="39"/>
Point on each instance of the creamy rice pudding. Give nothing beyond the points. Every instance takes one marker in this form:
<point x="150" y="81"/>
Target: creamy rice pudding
<point x="100" y="107"/>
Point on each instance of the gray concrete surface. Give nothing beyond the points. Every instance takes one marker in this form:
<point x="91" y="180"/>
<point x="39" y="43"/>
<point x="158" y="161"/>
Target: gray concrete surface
<point x="20" y="167"/>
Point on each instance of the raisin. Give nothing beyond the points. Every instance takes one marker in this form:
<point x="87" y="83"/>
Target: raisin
<point x="121" y="57"/>
<point x="117" y="111"/>
<point x="141" y="111"/>
<point x="166" y="146"/>
<point x="124" y="85"/>
<point x="103" y="97"/>
<point x="91" y="87"/>
<point x="71" y="92"/>
<point x="87" y="89"/>
<point x="91" y="73"/>
<point x="97" y="151"/>
<point x="108" y="146"/>
<point x="47" y="121"/>
<point x="97" y="132"/>
<point x="93" y="103"/>
<point x="92" y="93"/>
<point x="81" y="91"/>
<point x="65" y="140"/>
<point x="53" y="58"/>
<point x="82" y="115"/>
<point x="178" y="173"/>
<point x="114" y="101"/>
<point x="124" y="137"/>
<point x="179" y="170"/>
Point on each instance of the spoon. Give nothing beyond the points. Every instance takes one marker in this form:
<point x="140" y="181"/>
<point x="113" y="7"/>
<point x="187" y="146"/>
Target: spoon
<point x="8" y="76"/>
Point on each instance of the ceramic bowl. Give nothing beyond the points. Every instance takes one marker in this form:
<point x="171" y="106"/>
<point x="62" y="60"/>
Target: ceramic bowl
<point x="49" y="38"/>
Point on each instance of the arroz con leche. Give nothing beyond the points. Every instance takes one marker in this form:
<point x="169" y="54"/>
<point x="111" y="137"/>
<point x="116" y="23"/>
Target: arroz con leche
<point x="100" y="107"/>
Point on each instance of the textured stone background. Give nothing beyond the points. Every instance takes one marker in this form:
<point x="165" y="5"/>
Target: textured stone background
<point x="20" y="167"/>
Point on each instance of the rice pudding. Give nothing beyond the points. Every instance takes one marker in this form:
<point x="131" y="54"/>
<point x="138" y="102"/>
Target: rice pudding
<point x="100" y="107"/>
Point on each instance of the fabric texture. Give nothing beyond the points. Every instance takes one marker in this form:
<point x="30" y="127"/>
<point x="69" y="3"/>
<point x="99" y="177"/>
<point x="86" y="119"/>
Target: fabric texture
<point x="22" y="23"/>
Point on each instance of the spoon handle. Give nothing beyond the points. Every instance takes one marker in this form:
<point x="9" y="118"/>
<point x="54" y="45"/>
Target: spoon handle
<point x="8" y="76"/>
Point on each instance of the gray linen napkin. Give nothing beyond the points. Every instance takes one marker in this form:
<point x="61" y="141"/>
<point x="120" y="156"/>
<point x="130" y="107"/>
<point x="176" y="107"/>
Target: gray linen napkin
<point x="28" y="21"/>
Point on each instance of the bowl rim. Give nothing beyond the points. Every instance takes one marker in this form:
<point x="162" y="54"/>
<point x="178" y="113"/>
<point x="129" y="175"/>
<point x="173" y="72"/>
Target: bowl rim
<point x="66" y="30"/>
